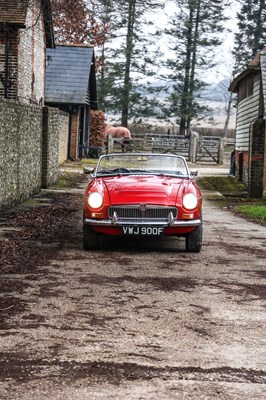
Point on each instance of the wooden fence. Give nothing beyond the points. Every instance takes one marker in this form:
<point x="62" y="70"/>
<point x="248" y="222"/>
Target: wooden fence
<point x="154" y="143"/>
<point x="203" y="149"/>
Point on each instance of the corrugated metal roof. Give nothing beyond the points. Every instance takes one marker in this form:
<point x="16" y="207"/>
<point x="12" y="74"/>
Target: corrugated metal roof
<point x="68" y="74"/>
<point x="13" y="11"/>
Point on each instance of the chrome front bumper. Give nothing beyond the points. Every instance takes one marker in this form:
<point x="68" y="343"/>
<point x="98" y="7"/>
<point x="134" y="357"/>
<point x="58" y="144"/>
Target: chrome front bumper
<point x="159" y="223"/>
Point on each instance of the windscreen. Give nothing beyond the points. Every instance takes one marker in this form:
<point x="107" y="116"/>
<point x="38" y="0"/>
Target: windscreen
<point x="142" y="164"/>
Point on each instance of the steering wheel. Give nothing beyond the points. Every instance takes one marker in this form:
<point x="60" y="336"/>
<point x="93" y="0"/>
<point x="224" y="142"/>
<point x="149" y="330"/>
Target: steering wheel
<point x="121" y="171"/>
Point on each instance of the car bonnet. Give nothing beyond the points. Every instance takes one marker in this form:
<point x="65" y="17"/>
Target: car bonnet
<point x="147" y="189"/>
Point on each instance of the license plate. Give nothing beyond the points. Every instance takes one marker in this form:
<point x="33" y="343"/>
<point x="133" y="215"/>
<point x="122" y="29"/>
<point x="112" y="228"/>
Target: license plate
<point x="142" y="230"/>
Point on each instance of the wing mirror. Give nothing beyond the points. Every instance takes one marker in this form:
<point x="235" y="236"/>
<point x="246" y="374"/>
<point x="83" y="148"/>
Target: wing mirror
<point x="88" y="170"/>
<point x="194" y="174"/>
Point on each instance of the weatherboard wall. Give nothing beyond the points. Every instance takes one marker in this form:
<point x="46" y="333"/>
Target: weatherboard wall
<point x="247" y="112"/>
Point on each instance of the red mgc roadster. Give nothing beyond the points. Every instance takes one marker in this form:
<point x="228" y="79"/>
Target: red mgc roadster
<point x="143" y="194"/>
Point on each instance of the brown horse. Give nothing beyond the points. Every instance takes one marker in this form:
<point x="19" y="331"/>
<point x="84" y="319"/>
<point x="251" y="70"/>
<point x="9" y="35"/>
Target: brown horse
<point x="119" y="132"/>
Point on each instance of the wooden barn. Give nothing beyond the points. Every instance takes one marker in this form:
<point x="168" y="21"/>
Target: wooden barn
<point x="250" y="146"/>
<point x="71" y="87"/>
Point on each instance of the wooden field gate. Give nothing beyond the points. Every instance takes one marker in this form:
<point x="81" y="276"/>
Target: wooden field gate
<point x="208" y="150"/>
<point x="204" y="149"/>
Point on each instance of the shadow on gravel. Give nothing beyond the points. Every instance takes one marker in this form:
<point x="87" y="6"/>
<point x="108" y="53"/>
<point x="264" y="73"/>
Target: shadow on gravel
<point x="158" y="283"/>
<point x="34" y="235"/>
<point x="23" y="370"/>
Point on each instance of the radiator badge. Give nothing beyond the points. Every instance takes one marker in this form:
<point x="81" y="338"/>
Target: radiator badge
<point x="142" y="207"/>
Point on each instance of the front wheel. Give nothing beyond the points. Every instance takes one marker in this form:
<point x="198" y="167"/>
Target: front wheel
<point x="194" y="240"/>
<point x="90" y="238"/>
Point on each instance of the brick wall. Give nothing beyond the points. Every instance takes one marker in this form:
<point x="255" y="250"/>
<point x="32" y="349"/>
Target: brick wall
<point x="251" y="167"/>
<point x="31" y="56"/>
<point x="29" y="150"/>
<point x="242" y="160"/>
<point x="74" y="135"/>
<point x="26" y="58"/>
<point x="9" y="39"/>
<point x="257" y="159"/>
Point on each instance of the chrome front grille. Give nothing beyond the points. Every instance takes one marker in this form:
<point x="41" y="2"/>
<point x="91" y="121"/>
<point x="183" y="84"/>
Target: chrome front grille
<point x="141" y="212"/>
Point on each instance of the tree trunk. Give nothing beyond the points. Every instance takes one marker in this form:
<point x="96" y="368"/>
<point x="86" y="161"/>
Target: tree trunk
<point x="228" y="114"/>
<point x="193" y="64"/>
<point x="129" y="50"/>
<point x="185" y="92"/>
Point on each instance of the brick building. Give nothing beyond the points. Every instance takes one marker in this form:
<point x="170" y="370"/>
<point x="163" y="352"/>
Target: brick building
<point x="250" y="146"/>
<point x="25" y="32"/>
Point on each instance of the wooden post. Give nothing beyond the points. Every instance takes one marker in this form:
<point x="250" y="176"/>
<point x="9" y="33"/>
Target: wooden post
<point x="110" y="143"/>
<point x="221" y="151"/>
<point x="193" y="149"/>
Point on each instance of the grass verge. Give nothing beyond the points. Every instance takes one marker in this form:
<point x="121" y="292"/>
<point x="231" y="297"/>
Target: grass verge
<point x="235" y="197"/>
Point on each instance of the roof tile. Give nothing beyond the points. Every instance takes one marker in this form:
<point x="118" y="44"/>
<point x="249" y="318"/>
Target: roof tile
<point x="68" y="74"/>
<point x="13" y="11"/>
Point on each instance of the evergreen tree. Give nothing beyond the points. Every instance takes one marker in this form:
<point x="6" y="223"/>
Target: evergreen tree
<point x="194" y="32"/>
<point x="251" y="35"/>
<point x="128" y="58"/>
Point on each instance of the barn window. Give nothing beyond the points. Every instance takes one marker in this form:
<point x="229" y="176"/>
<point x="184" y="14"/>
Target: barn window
<point x="246" y="88"/>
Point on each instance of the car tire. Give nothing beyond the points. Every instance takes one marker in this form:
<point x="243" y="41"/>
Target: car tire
<point x="194" y="240"/>
<point x="90" y="238"/>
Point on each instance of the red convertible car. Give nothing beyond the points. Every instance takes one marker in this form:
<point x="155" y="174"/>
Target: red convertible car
<point x="137" y="194"/>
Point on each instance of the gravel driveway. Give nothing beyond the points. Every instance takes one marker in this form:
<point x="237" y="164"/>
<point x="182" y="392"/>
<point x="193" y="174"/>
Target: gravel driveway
<point x="137" y="320"/>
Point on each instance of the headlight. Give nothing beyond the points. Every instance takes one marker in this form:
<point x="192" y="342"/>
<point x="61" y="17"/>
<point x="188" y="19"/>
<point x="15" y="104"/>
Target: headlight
<point x="95" y="200"/>
<point x="190" y="201"/>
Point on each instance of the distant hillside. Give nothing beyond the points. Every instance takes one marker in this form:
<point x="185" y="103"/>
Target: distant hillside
<point x="214" y="96"/>
<point x="217" y="92"/>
